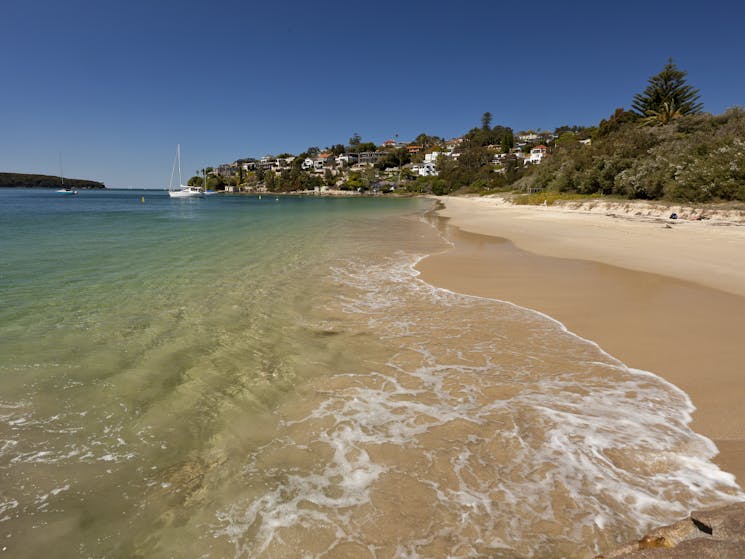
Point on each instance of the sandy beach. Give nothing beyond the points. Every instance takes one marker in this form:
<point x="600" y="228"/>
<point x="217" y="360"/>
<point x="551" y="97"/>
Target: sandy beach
<point x="666" y="296"/>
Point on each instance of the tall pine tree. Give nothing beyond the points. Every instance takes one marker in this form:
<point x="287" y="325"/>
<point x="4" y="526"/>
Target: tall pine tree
<point x="486" y="121"/>
<point x="667" y="96"/>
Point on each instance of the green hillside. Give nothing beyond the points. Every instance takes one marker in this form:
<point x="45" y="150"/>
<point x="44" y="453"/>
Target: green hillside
<point x="21" y="180"/>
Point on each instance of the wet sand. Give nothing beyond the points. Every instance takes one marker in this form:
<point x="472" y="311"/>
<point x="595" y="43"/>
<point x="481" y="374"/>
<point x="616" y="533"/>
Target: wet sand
<point x="666" y="300"/>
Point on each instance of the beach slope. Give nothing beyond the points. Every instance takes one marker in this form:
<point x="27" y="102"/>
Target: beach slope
<point x="666" y="296"/>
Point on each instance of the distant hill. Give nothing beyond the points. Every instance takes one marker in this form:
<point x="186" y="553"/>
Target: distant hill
<point x="20" y="180"/>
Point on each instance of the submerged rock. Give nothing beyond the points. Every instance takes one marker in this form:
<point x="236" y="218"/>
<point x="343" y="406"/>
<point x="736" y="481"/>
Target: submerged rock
<point x="716" y="533"/>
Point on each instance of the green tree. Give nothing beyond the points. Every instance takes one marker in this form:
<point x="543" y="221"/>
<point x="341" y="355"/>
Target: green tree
<point x="663" y="115"/>
<point x="394" y="158"/>
<point x="615" y="122"/>
<point x="508" y="142"/>
<point x="364" y="146"/>
<point x="474" y="158"/>
<point x="427" y="141"/>
<point x="270" y="182"/>
<point x="354" y="181"/>
<point x="667" y="96"/>
<point x="355" y="140"/>
<point x="567" y="139"/>
<point x="486" y="121"/>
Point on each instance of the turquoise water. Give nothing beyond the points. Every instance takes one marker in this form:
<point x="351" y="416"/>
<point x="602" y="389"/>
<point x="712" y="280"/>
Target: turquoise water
<point x="236" y="377"/>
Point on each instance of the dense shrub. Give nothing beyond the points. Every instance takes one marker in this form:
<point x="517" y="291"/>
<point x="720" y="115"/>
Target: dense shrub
<point x="695" y="158"/>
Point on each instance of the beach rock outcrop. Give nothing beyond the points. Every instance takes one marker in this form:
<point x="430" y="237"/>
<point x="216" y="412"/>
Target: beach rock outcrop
<point x="710" y="534"/>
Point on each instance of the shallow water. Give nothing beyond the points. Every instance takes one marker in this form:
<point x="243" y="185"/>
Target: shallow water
<point x="234" y="377"/>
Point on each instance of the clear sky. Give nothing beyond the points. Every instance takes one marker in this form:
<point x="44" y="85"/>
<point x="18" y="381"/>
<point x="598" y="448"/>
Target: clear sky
<point x="115" y="85"/>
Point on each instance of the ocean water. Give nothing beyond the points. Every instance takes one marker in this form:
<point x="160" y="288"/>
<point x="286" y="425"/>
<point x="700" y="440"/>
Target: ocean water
<point x="268" y="378"/>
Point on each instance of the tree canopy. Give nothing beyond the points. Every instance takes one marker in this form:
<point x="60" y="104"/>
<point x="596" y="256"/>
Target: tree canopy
<point x="486" y="121"/>
<point x="668" y="96"/>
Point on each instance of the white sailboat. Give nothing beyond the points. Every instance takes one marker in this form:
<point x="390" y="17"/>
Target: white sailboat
<point x="64" y="190"/>
<point x="183" y="191"/>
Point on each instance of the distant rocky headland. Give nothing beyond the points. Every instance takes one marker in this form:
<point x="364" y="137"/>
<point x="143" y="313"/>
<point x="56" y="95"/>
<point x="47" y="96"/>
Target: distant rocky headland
<point x="21" y="180"/>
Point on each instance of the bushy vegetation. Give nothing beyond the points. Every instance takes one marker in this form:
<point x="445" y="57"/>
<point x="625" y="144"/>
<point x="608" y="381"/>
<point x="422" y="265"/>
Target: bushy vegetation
<point x="473" y="169"/>
<point x="548" y="198"/>
<point x="291" y="180"/>
<point x="664" y="149"/>
<point x="695" y="158"/>
<point x="44" y="181"/>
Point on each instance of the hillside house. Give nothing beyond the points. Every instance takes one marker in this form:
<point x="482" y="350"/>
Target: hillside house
<point x="318" y="164"/>
<point x="427" y="169"/>
<point x="227" y="169"/>
<point x="526" y="137"/>
<point x="368" y="157"/>
<point x="312" y="164"/>
<point x="537" y="154"/>
<point x="348" y="158"/>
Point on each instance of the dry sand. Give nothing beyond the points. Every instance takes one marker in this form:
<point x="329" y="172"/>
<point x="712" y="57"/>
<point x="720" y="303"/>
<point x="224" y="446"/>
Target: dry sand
<point x="663" y="296"/>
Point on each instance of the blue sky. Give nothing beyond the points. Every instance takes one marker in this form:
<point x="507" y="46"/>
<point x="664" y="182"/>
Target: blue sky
<point x="115" y="85"/>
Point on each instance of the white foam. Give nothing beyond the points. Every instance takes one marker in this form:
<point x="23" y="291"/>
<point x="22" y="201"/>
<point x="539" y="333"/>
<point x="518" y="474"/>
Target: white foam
<point x="574" y="434"/>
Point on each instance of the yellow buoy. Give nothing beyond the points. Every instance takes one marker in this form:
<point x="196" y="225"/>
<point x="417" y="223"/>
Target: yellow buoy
<point x="143" y="199"/>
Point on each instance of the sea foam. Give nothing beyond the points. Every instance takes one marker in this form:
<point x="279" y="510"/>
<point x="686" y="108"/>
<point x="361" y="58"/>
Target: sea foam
<point x="511" y="432"/>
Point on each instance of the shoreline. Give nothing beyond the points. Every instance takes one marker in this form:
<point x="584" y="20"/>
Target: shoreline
<point x="669" y="300"/>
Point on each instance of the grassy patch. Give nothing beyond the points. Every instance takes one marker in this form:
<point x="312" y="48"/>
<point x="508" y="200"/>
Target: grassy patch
<point x="547" y="198"/>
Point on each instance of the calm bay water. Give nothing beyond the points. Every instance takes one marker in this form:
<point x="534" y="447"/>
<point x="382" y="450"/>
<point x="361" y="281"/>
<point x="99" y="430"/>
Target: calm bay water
<point x="236" y="377"/>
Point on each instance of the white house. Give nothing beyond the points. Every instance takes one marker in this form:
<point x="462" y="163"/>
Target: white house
<point x="391" y="144"/>
<point x="427" y="169"/>
<point x="537" y="154"/>
<point x="368" y="157"/>
<point x="348" y="158"/>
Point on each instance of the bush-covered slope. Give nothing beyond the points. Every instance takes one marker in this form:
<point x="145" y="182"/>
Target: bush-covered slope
<point x="43" y="181"/>
<point x="695" y="158"/>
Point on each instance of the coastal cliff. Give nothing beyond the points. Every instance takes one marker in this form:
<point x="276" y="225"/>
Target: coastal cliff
<point x="22" y="180"/>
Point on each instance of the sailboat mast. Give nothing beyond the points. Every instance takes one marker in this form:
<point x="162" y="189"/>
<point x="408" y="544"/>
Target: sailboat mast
<point x="173" y="172"/>
<point x="180" y="181"/>
<point x="61" y="173"/>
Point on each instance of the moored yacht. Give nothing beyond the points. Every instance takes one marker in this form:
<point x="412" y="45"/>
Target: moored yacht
<point x="182" y="191"/>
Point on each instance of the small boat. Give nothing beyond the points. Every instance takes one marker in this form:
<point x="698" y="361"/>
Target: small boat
<point x="65" y="189"/>
<point x="187" y="192"/>
<point x="182" y="191"/>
